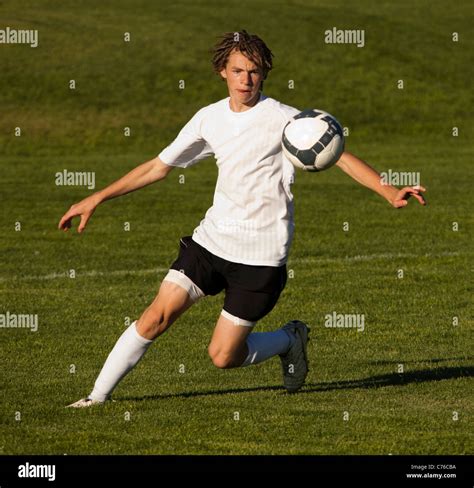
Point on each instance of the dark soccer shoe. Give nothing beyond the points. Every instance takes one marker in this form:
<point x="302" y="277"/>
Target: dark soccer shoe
<point x="295" y="362"/>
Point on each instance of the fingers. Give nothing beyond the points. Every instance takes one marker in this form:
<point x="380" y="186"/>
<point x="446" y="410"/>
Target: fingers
<point x="83" y="223"/>
<point x="400" y="203"/>
<point x="401" y="199"/>
<point x="65" y="222"/>
<point x="413" y="189"/>
<point x="415" y="192"/>
<point x="420" y="198"/>
<point x="67" y="225"/>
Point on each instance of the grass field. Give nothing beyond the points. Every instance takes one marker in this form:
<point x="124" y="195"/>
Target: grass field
<point x="357" y="399"/>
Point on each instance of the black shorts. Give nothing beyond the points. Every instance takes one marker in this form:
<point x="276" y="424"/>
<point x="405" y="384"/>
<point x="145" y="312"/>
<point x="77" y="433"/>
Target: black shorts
<point x="251" y="292"/>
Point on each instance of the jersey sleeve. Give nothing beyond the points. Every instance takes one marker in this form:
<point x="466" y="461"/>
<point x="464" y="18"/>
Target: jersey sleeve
<point x="289" y="112"/>
<point x="189" y="147"/>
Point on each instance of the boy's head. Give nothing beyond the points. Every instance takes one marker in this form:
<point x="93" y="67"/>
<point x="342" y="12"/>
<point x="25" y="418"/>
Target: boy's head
<point x="243" y="61"/>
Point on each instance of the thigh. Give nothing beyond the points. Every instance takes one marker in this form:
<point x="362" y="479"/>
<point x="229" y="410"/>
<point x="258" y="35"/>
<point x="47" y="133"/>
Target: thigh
<point x="228" y="338"/>
<point x="171" y="301"/>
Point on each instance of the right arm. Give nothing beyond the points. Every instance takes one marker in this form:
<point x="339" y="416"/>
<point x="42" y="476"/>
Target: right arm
<point x="142" y="175"/>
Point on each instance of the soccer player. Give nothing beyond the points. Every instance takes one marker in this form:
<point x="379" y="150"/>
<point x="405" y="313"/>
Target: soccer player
<point x="242" y="244"/>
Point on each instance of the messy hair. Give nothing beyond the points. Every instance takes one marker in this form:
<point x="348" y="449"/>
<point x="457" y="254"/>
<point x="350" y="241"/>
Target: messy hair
<point x="248" y="44"/>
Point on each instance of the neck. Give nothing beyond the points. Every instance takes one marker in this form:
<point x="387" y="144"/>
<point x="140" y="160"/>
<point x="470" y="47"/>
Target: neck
<point x="236" y="106"/>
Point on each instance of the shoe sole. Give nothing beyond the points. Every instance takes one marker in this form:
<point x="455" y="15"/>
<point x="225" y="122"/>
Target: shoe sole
<point x="89" y="405"/>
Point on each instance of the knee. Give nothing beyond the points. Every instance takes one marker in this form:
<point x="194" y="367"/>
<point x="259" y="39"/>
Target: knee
<point x="220" y="359"/>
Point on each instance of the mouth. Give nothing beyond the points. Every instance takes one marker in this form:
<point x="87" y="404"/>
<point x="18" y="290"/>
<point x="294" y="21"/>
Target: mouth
<point x="244" y="91"/>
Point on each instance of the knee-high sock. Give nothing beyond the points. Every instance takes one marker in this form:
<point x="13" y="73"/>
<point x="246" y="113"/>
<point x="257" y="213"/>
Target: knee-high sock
<point x="128" y="350"/>
<point x="264" y="345"/>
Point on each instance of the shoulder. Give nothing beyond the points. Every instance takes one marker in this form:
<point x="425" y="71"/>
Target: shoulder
<point x="207" y="113"/>
<point x="211" y="109"/>
<point x="286" y="112"/>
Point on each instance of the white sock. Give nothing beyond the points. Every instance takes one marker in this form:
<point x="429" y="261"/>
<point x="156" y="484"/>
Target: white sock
<point x="264" y="345"/>
<point x="128" y="350"/>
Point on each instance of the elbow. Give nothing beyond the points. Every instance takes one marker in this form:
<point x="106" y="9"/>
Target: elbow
<point x="160" y="169"/>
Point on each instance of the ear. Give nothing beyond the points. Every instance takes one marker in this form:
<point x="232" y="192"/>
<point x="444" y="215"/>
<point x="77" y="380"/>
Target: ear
<point x="223" y="73"/>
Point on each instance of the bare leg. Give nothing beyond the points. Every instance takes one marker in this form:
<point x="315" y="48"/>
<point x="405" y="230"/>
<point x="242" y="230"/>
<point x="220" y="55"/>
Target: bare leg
<point x="228" y="348"/>
<point x="172" y="300"/>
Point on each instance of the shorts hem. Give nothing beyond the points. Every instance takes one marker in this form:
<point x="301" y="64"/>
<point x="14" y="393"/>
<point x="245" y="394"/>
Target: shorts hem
<point x="236" y="320"/>
<point x="194" y="292"/>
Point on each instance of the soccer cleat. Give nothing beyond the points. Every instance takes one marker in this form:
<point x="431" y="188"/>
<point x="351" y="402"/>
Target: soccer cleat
<point x="84" y="403"/>
<point x="295" y="361"/>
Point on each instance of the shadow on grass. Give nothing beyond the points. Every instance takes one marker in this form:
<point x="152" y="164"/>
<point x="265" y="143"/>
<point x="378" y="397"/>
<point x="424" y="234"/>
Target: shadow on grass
<point x="395" y="379"/>
<point x="418" y="361"/>
<point x="380" y="381"/>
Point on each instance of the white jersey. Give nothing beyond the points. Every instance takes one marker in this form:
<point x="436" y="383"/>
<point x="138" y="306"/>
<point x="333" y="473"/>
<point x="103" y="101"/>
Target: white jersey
<point x="251" y="219"/>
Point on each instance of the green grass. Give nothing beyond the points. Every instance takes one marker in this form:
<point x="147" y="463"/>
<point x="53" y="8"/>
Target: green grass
<point x="408" y="321"/>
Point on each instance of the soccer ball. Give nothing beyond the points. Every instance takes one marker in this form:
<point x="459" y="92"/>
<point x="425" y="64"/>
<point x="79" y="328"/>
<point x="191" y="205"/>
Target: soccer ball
<point x="313" y="140"/>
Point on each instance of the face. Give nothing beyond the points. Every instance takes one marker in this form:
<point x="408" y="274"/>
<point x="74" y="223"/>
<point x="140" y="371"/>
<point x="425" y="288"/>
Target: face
<point x="244" y="79"/>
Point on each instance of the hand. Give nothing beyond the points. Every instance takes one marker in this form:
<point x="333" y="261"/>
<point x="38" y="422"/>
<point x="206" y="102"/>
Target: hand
<point x="84" y="209"/>
<point x="400" y="199"/>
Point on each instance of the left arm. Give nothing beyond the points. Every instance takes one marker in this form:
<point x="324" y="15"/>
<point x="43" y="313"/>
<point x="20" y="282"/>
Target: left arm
<point x="367" y="176"/>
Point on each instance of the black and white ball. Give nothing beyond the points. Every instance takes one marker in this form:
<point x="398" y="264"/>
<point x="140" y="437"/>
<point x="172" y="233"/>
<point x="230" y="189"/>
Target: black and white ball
<point x="313" y="140"/>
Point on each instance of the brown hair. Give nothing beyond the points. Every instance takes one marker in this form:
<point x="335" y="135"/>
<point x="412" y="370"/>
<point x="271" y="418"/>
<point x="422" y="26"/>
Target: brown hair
<point x="248" y="44"/>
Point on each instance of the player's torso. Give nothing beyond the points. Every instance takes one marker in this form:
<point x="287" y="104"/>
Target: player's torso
<point x="251" y="216"/>
<point x="247" y="146"/>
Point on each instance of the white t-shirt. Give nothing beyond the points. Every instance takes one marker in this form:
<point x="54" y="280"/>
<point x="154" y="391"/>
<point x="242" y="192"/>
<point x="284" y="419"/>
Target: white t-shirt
<point x="251" y="219"/>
